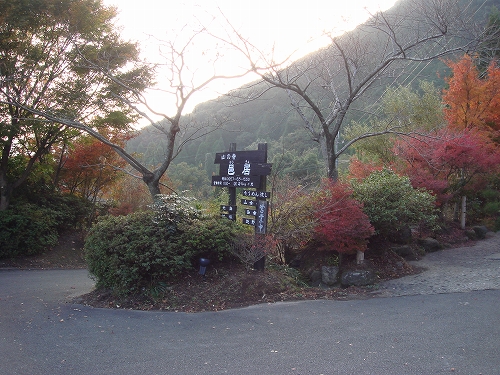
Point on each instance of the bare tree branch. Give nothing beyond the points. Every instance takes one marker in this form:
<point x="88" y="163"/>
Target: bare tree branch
<point x="324" y="86"/>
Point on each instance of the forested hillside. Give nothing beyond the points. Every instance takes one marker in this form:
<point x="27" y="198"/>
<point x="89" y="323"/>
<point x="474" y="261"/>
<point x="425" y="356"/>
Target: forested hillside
<point x="270" y="118"/>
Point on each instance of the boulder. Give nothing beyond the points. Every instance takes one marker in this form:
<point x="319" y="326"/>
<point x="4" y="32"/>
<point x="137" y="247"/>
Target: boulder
<point x="480" y="231"/>
<point x="429" y="244"/>
<point x="315" y="278"/>
<point x="358" y="278"/>
<point x="329" y="275"/>
<point x="471" y="234"/>
<point x="405" y="251"/>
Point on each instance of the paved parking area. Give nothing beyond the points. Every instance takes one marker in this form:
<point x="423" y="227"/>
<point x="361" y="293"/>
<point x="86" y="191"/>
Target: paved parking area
<point x="452" y="271"/>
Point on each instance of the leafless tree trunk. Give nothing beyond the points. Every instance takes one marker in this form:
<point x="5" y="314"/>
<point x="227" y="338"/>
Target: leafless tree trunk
<point x="181" y="87"/>
<point x="325" y="87"/>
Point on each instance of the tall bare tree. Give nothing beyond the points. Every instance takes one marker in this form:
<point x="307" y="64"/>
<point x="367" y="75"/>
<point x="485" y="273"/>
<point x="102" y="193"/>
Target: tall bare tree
<point x="111" y="75"/>
<point x="349" y="75"/>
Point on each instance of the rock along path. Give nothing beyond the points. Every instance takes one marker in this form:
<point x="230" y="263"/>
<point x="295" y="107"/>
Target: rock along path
<point x="451" y="271"/>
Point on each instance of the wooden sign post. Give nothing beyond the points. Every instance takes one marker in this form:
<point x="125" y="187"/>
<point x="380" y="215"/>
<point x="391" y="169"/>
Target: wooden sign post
<point x="262" y="212"/>
<point x="246" y="169"/>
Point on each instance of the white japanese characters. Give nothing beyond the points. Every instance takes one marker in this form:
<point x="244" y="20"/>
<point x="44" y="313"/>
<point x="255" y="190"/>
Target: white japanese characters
<point x="245" y="171"/>
<point x="230" y="169"/>
<point x="246" y="168"/>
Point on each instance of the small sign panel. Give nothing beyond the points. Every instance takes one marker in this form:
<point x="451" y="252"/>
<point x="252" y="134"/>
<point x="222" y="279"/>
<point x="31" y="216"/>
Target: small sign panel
<point x="230" y="209"/>
<point x="248" y="221"/>
<point x="229" y="216"/>
<point x="250" y="212"/>
<point x="257" y="194"/>
<point x="255" y="156"/>
<point x="248" y="202"/>
<point x="236" y="181"/>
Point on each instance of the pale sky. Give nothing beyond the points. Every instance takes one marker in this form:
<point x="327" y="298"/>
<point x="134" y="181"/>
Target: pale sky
<point x="286" y="26"/>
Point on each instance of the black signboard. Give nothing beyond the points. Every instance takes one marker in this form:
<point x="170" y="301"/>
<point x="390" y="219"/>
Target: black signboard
<point x="249" y="202"/>
<point x="250" y="212"/>
<point x="227" y="208"/>
<point x="248" y="221"/>
<point x="229" y="216"/>
<point x="257" y="194"/>
<point x="256" y="156"/>
<point x="247" y="168"/>
<point x="236" y="181"/>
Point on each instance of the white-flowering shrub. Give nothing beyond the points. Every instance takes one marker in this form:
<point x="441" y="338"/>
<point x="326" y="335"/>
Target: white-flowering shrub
<point x="172" y="210"/>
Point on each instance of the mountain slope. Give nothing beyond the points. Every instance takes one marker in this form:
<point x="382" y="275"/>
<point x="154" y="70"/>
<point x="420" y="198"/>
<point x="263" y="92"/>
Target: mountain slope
<point x="271" y="119"/>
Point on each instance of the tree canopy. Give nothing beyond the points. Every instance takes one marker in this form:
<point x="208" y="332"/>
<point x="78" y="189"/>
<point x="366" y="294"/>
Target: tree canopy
<point x="49" y="50"/>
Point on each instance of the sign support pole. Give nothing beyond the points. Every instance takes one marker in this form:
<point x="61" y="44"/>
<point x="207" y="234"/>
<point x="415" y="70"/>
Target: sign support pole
<point x="232" y="190"/>
<point x="260" y="264"/>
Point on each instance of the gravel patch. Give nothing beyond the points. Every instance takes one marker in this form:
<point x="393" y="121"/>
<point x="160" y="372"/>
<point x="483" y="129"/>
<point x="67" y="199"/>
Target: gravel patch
<point x="456" y="270"/>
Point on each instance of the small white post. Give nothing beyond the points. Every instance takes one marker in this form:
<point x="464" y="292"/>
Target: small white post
<point x="462" y="212"/>
<point x="360" y="257"/>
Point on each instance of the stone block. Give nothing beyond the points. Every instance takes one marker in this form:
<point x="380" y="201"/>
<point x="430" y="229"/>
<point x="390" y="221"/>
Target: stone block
<point x="329" y="275"/>
<point x="315" y="277"/>
<point x="358" y="278"/>
<point x="430" y="244"/>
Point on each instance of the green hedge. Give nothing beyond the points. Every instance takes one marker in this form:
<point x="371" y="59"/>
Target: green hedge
<point x="27" y="230"/>
<point x="30" y="228"/>
<point x="135" y="252"/>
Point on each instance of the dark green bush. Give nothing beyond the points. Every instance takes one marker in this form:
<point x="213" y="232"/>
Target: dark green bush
<point x="210" y="237"/>
<point x="490" y="195"/>
<point x="128" y="253"/>
<point x="27" y="230"/>
<point x="491" y="206"/>
<point x="70" y="211"/>
<point x="392" y="204"/>
<point x="30" y="228"/>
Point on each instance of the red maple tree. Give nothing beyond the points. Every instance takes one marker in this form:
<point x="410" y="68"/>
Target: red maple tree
<point x="88" y="166"/>
<point x="341" y="220"/>
<point x="460" y="156"/>
<point x="450" y="161"/>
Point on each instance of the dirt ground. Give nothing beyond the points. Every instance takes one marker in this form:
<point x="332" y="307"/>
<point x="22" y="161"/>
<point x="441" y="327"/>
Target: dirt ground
<point x="221" y="288"/>
<point x="233" y="286"/>
<point x="67" y="254"/>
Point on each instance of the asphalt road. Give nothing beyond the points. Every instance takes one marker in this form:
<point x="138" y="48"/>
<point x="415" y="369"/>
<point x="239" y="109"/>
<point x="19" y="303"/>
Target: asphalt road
<point x="42" y="332"/>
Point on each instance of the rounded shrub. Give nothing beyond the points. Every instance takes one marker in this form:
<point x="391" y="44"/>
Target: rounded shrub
<point x="210" y="237"/>
<point x="128" y="253"/>
<point x="392" y="204"/>
<point x="121" y="251"/>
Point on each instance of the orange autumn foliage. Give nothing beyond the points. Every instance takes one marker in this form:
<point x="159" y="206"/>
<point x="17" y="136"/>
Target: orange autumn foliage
<point x="359" y="170"/>
<point x="88" y="168"/>
<point x="473" y="102"/>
